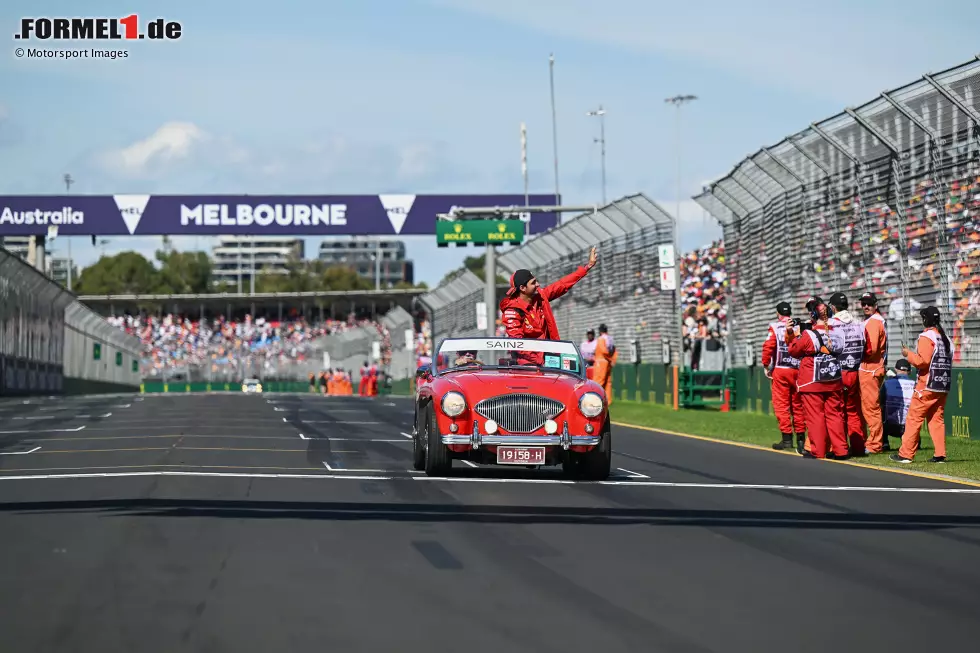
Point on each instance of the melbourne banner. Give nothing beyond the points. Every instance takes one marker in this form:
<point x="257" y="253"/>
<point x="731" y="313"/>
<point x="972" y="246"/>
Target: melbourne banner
<point x="256" y="215"/>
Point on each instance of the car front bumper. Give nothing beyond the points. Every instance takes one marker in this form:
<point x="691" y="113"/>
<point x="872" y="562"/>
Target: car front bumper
<point x="564" y="440"/>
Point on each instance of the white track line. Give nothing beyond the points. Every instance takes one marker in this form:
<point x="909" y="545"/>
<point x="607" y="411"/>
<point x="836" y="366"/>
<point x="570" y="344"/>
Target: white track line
<point x="327" y="421"/>
<point x="470" y="463"/>
<point x="633" y="474"/>
<point x="407" y="435"/>
<point x="18" y="453"/>
<point x="303" y="437"/>
<point x="75" y="430"/>
<point x="517" y="481"/>
<point x="358" y="471"/>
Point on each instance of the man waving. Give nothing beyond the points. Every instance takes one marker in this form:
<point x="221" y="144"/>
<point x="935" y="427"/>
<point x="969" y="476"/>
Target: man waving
<point x="526" y="307"/>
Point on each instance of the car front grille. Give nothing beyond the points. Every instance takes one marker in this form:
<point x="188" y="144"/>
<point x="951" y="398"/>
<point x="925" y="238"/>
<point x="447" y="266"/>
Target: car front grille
<point x="519" y="413"/>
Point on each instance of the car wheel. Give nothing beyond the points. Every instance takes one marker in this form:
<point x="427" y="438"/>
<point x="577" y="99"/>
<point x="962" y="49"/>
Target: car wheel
<point x="418" y="448"/>
<point x="597" y="463"/>
<point x="437" y="460"/>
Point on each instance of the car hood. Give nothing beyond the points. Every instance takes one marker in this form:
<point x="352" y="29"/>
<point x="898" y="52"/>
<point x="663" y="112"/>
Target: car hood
<point x="515" y="381"/>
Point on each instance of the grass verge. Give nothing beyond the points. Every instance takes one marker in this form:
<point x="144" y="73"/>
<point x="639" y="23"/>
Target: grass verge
<point x="963" y="456"/>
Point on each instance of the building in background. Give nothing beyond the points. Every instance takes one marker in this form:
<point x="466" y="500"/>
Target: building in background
<point x="245" y="255"/>
<point x="17" y="245"/>
<point x="57" y="270"/>
<point x="361" y="254"/>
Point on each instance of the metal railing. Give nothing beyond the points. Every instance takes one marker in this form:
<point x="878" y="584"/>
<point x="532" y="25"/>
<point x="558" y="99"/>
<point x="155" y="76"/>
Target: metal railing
<point x="883" y="198"/>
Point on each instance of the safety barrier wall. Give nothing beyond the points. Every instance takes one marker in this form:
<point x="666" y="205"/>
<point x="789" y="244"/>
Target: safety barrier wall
<point x="51" y="343"/>
<point x="623" y="291"/>
<point x="98" y="357"/>
<point x="32" y="328"/>
<point x="884" y="198"/>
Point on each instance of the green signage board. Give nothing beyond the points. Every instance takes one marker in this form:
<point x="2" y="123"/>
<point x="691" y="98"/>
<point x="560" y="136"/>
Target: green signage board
<point x="97" y="351"/>
<point x="136" y="366"/>
<point x="479" y="232"/>
<point x="119" y="358"/>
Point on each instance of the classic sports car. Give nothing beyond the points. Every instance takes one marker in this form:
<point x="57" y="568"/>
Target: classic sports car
<point x="510" y="401"/>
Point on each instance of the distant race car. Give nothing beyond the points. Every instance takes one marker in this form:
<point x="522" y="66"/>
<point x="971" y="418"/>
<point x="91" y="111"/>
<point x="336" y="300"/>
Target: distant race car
<point x="252" y="385"/>
<point x="509" y="401"/>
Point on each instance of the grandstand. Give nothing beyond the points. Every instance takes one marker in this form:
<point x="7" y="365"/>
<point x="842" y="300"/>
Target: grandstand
<point x="275" y="336"/>
<point x="883" y="198"/>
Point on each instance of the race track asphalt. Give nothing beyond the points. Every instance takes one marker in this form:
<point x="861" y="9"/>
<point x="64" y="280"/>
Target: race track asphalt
<point x="293" y="523"/>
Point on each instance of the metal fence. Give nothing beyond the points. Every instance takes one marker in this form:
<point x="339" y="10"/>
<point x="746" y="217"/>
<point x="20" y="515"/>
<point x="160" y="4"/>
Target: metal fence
<point x="47" y="336"/>
<point x="95" y="350"/>
<point x="884" y="198"/>
<point x="623" y="291"/>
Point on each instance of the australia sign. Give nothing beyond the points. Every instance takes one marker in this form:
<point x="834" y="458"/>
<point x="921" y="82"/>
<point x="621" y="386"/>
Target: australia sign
<point x="251" y="215"/>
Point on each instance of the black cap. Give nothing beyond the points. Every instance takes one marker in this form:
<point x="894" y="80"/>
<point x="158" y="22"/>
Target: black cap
<point x="813" y="302"/>
<point x="590" y="332"/>
<point x="522" y="277"/>
<point x="839" y="301"/>
<point x="784" y="308"/>
<point x="903" y="364"/>
<point x="869" y="299"/>
<point x="603" y="329"/>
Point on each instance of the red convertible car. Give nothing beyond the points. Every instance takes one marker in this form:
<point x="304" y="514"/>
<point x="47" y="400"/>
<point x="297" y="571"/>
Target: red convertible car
<point x="510" y="401"/>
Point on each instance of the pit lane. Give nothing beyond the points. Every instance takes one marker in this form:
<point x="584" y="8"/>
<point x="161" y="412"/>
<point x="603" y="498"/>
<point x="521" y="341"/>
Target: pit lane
<point x="278" y="522"/>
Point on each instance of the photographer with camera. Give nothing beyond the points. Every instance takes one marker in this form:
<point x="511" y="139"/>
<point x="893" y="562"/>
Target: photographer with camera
<point x="850" y="362"/>
<point x="820" y="381"/>
<point x="783" y="370"/>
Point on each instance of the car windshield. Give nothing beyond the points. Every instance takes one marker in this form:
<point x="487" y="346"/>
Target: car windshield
<point x="468" y="354"/>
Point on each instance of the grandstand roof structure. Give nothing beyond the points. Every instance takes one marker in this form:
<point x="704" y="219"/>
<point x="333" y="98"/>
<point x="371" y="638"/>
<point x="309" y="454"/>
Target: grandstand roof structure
<point x="628" y="215"/>
<point x="895" y="124"/>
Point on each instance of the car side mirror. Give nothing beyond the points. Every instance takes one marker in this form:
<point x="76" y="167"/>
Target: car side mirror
<point x="423" y="371"/>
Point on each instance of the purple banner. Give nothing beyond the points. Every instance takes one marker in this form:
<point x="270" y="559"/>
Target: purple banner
<point x="256" y="215"/>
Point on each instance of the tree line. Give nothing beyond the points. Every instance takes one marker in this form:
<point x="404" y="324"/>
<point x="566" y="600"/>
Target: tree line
<point x="131" y="273"/>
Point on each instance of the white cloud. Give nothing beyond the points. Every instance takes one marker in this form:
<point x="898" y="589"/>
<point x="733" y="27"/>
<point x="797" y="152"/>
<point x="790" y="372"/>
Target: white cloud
<point x="173" y="142"/>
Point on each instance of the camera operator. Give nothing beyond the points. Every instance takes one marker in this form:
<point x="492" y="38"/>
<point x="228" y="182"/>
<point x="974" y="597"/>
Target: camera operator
<point x="783" y="370"/>
<point x="850" y="362"/>
<point x="820" y="381"/>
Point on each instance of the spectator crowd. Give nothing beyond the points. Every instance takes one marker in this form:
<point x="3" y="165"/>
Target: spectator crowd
<point x="220" y="347"/>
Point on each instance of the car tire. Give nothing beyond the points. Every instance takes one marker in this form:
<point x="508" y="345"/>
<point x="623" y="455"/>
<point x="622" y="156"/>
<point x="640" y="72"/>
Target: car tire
<point x="418" y="450"/>
<point x="437" y="460"/>
<point x="597" y="463"/>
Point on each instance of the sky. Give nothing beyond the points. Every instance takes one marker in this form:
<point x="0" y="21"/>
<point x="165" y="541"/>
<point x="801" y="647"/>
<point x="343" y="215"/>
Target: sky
<point x="427" y="96"/>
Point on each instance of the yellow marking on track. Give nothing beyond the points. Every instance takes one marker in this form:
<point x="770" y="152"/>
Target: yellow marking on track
<point x="746" y="445"/>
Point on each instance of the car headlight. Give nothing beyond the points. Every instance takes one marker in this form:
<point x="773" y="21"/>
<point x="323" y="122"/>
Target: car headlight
<point x="590" y="404"/>
<point x="453" y="404"/>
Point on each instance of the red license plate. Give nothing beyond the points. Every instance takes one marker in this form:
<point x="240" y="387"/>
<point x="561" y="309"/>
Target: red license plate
<point x="508" y="455"/>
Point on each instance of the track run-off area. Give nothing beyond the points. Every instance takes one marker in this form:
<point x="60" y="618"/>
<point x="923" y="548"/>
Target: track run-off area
<point x="232" y="522"/>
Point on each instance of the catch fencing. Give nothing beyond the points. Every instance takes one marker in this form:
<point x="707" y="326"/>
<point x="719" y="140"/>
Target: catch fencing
<point x="51" y="343"/>
<point x="623" y="291"/>
<point x="884" y="198"/>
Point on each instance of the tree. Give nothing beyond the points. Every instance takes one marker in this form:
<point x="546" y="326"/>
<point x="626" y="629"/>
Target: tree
<point x="127" y="273"/>
<point x="184" y="272"/>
